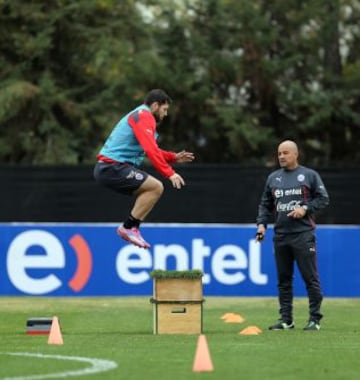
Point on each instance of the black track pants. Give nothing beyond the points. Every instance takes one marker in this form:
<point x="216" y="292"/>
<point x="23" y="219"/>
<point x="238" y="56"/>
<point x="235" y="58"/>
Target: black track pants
<point x="299" y="248"/>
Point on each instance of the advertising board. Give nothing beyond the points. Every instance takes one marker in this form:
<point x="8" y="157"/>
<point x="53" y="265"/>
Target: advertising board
<point x="75" y="259"/>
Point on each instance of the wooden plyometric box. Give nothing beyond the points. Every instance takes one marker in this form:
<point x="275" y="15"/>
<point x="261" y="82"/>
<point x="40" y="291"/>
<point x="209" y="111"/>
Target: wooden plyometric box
<point x="178" y="302"/>
<point x="177" y="289"/>
<point x="176" y="318"/>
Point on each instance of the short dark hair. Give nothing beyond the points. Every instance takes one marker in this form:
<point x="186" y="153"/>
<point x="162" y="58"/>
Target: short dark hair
<point x="157" y="96"/>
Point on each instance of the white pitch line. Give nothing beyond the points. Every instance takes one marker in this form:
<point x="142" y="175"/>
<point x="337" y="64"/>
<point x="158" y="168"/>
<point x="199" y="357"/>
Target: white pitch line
<point x="97" y="365"/>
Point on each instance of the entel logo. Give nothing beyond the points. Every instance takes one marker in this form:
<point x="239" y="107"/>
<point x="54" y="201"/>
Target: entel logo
<point x="18" y="262"/>
<point x="226" y="257"/>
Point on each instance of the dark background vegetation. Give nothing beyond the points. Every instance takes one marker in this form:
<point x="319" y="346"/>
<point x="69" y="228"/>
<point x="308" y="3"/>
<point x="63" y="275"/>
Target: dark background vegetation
<point x="243" y="75"/>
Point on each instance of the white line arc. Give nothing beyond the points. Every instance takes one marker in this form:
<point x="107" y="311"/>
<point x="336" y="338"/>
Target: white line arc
<point x="97" y="365"/>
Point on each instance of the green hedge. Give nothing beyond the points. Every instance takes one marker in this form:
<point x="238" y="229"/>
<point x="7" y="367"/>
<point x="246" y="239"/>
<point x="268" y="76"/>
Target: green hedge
<point x="162" y="274"/>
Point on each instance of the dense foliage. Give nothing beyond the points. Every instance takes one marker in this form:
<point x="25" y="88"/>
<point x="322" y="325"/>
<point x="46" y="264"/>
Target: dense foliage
<point x="243" y="75"/>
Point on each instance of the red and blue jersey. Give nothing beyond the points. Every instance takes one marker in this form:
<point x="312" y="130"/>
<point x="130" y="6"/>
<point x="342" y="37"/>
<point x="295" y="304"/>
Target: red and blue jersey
<point x="133" y="138"/>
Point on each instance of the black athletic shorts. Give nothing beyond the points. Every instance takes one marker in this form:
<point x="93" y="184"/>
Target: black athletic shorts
<point x="121" y="177"/>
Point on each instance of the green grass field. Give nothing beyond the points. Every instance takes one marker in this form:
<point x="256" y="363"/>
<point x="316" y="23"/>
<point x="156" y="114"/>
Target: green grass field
<point x="121" y="330"/>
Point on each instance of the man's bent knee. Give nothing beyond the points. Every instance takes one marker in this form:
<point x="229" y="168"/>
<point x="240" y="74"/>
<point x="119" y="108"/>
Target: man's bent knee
<point x="158" y="188"/>
<point x="151" y="185"/>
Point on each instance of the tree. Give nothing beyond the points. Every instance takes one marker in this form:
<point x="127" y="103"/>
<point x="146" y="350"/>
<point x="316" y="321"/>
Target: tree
<point x="243" y="75"/>
<point x="62" y="68"/>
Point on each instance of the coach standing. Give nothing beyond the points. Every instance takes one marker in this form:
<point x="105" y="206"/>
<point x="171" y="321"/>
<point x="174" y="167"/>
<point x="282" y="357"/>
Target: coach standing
<point x="293" y="194"/>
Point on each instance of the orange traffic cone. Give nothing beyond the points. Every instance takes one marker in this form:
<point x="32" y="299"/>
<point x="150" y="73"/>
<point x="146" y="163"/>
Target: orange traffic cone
<point x="202" y="360"/>
<point x="227" y="315"/>
<point x="234" y="318"/>
<point x="55" y="336"/>
<point x="251" y="330"/>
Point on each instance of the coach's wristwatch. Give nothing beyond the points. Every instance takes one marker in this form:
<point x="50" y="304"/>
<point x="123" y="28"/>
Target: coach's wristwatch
<point x="305" y="207"/>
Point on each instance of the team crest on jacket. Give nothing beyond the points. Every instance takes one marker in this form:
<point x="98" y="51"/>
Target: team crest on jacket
<point x="300" y="177"/>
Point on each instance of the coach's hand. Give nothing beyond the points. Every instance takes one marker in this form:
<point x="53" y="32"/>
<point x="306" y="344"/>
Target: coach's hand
<point x="260" y="233"/>
<point x="177" y="181"/>
<point x="297" y="213"/>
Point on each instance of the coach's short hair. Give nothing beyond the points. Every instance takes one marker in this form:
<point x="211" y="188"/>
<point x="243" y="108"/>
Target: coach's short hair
<point x="158" y="96"/>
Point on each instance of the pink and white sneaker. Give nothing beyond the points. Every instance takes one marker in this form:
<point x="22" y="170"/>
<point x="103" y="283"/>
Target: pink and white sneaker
<point x="133" y="236"/>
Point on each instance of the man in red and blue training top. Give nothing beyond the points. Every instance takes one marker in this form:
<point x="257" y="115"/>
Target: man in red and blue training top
<point x="133" y="138"/>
